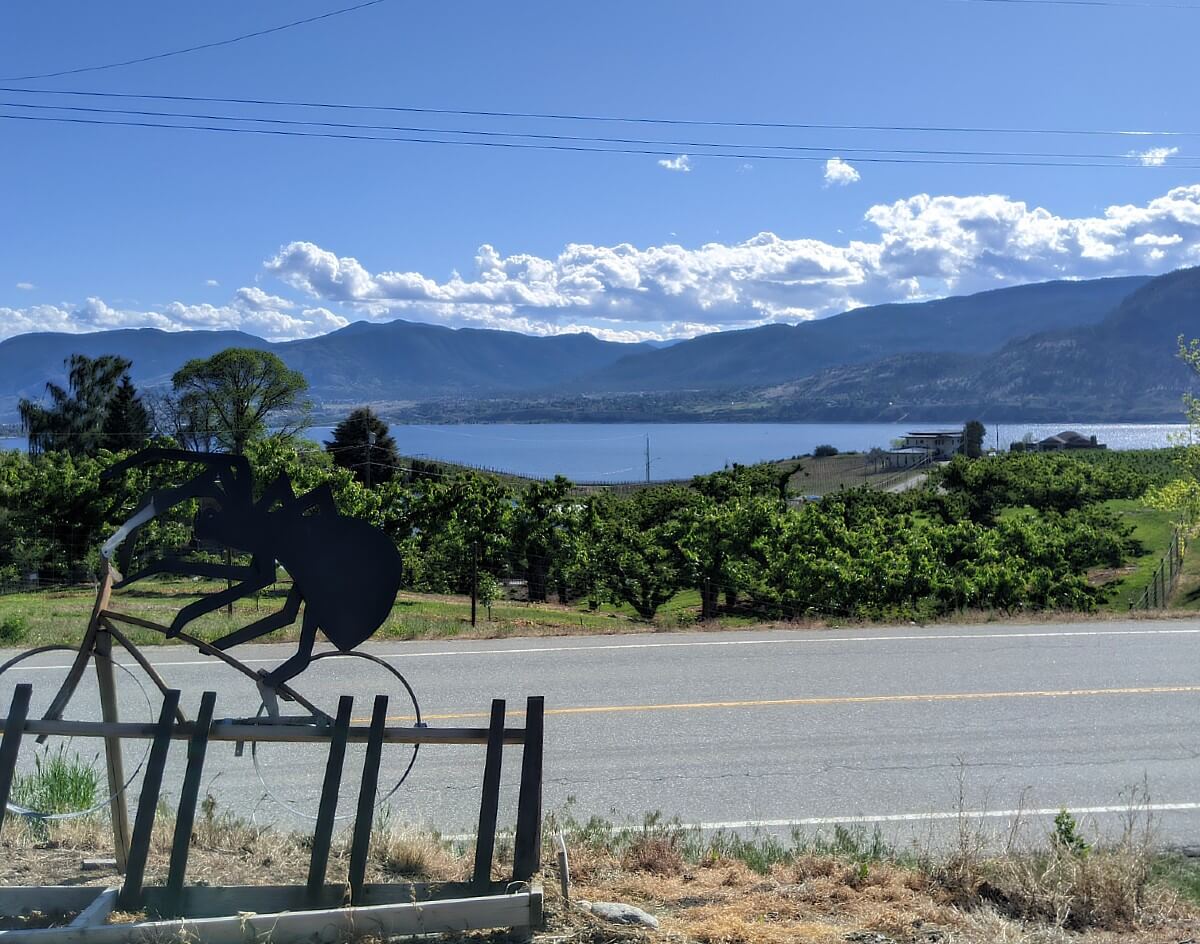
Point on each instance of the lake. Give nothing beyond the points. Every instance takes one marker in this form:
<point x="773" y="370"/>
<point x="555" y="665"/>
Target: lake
<point x="603" y="452"/>
<point x="616" y="452"/>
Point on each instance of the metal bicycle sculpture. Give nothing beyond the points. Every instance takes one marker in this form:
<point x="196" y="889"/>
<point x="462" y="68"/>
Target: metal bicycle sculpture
<point x="345" y="575"/>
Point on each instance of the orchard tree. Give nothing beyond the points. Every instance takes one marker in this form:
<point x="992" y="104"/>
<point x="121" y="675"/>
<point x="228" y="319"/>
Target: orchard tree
<point x="243" y="393"/>
<point x="539" y="521"/>
<point x="1183" y="494"/>
<point x="363" y="444"/>
<point x="641" y="555"/>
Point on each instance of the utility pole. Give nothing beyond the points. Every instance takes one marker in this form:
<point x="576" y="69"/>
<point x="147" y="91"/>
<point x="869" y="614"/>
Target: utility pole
<point x="647" y="458"/>
<point x="370" y="454"/>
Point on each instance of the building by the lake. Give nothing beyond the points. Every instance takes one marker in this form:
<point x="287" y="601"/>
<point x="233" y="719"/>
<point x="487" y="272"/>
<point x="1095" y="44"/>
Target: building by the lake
<point x="919" y="447"/>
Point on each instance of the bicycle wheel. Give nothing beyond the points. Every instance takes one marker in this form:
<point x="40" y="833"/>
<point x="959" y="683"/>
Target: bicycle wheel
<point x="54" y="781"/>
<point x="291" y="774"/>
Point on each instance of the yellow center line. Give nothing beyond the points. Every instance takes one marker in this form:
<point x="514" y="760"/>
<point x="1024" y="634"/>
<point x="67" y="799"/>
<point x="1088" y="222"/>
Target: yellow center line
<point x="828" y="700"/>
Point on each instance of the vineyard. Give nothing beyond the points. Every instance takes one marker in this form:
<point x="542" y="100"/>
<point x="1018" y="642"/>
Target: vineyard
<point x="1010" y="534"/>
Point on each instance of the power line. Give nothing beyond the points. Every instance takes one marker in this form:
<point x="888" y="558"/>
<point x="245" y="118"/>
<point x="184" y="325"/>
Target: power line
<point x="926" y="152"/>
<point x="616" y="119"/>
<point x="1129" y="4"/>
<point x="575" y="148"/>
<point x="197" y="48"/>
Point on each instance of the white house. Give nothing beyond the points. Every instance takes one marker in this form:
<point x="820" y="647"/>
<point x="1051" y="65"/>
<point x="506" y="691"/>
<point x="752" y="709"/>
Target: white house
<point x="923" y="446"/>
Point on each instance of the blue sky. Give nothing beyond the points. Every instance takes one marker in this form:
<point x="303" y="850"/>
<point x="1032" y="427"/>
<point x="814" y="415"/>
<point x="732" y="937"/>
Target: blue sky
<point x="288" y="236"/>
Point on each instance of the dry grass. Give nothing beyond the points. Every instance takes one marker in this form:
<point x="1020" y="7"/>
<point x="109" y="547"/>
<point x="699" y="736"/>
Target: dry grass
<point x="717" y="889"/>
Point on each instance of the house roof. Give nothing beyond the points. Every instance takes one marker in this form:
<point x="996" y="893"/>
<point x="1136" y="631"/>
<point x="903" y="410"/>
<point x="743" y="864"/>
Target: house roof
<point x="935" y="434"/>
<point x="1067" y="436"/>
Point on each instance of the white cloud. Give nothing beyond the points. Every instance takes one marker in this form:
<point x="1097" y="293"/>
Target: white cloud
<point x="26" y="286"/>
<point x="255" y="299"/>
<point x="925" y="246"/>
<point x="251" y="310"/>
<point x="211" y="283"/>
<point x="682" y="164"/>
<point x="922" y="246"/>
<point x="1155" y="157"/>
<point x="838" y="173"/>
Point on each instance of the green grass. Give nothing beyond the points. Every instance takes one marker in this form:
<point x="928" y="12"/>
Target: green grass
<point x="61" y="782"/>
<point x="60" y="616"/>
<point x="1152" y="529"/>
<point x="1179" y="873"/>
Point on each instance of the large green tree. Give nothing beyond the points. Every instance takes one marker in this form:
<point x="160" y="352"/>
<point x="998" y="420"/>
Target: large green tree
<point x="245" y="394"/>
<point x="363" y="444"/>
<point x="76" y="417"/>
<point x="973" y="433"/>
<point x="126" y="420"/>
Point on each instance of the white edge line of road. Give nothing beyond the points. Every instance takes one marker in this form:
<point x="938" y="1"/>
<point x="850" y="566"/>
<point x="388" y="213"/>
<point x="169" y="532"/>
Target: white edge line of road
<point x="814" y="640"/>
<point x="931" y="816"/>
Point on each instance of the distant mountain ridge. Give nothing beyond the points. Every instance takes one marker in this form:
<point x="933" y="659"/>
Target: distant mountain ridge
<point x="779" y="353"/>
<point x="955" y="356"/>
<point x="363" y="362"/>
<point x="1125" y="368"/>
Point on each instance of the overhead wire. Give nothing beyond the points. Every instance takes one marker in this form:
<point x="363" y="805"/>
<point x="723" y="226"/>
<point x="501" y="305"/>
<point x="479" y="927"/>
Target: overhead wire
<point x="1128" y="4"/>
<point x="616" y="119"/>
<point x="195" y="48"/>
<point x="1132" y="160"/>
<point x="691" y="145"/>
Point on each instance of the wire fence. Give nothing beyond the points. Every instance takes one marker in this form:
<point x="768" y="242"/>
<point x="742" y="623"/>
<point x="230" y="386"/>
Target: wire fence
<point x="1157" y="594"/>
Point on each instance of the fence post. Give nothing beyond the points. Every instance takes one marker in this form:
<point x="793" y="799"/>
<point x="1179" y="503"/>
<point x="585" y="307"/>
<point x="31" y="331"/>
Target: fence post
<point x="323" y="833"/>
<point x="489" y="804"/>
<point x="14" y="730"/>
<point x="527" y="846"/>
<point x="118" y="806"/>
<point x="147" y="808"/>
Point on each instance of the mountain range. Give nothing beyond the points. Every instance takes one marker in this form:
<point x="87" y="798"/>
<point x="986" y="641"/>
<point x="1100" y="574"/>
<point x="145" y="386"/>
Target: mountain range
<point x="1100" y="349"/>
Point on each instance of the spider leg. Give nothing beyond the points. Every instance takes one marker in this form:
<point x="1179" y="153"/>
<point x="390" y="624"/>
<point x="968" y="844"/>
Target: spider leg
<point x="268" y="624"/>
<point x="279" y="490"/>
<point x="320" y="498"/>
<point x="153" y="505"/>
<point x="292" y="667"/>
<point x="234" y="471"/>
<point x="265" y="575"/>
<point x="184" y="568"/>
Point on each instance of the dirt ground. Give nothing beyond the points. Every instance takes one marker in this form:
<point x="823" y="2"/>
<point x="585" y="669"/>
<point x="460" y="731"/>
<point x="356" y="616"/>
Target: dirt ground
<point x="1101" y="898"/>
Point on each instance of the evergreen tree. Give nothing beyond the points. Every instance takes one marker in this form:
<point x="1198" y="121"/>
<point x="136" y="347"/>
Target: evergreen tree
<point x="973" y="434"/>
<point x="362" y="443"/>
<point x="75" y="419"/>
<point x="126" y="421"/>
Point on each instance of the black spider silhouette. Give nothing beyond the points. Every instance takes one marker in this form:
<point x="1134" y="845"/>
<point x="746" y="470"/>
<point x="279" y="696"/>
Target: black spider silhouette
<point x="344" y="572"/>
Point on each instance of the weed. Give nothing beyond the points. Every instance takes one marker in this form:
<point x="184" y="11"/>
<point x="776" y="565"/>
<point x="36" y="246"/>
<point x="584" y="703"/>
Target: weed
<point x="1065" y="836"/>
<point x="13" y="629"/>
<point x="60" y="783"/>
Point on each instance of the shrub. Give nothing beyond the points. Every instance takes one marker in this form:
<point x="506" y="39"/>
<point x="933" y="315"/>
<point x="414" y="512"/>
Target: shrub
<point x="13" y="629"/>
<point x="824" y="451"/>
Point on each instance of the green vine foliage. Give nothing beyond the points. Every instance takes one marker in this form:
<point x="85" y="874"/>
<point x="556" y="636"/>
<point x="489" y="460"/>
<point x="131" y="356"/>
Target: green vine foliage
<point x="1008" y="534"/>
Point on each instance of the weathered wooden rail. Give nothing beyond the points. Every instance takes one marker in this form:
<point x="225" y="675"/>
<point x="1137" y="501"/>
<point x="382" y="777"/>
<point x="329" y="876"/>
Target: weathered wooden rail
<point x="479" y="903"/>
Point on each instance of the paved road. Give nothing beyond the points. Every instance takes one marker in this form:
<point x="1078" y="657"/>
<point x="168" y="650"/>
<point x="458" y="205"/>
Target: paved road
<point x="770" y="727"/>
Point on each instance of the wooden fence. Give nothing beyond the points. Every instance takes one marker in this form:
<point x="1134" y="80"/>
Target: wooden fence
<point x="177" y="901"/>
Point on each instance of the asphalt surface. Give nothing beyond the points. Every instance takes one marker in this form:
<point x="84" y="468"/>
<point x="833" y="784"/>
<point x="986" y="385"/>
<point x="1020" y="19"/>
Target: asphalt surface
<point x="903" y="726"/>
